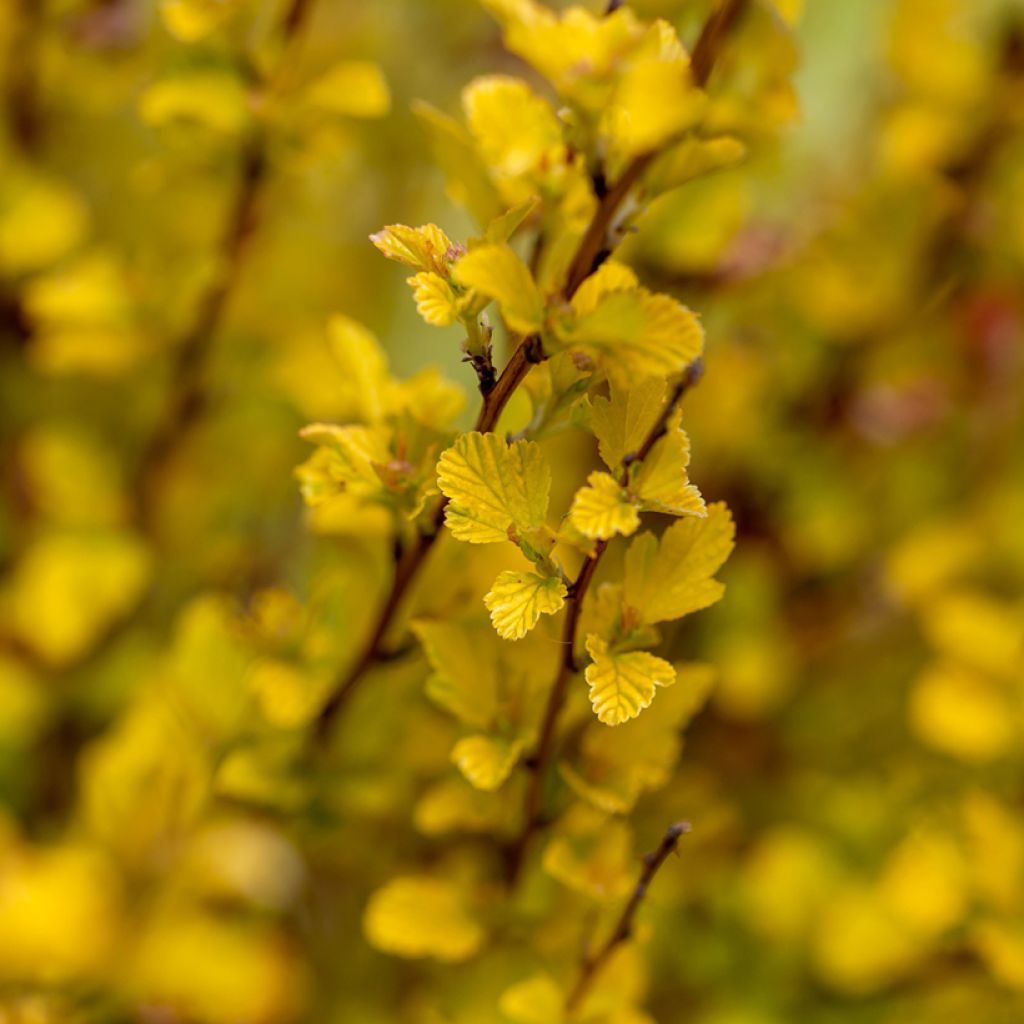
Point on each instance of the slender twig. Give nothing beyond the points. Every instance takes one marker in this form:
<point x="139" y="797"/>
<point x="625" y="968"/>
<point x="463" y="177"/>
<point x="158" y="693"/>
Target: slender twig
<point x="569" y="666"/>
<point x="708" y="47"/>
<point x="592" y="965"/>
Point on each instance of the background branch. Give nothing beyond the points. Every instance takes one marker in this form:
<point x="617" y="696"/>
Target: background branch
<point x="591" y="965"/>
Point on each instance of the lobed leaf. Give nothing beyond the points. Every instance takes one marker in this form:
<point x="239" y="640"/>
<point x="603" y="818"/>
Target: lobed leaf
<point x="603" y="508"/>
<point x="622" y="685"/>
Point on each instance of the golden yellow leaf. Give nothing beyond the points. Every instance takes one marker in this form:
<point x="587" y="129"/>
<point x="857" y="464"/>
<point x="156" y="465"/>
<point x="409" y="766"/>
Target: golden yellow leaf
<point x="435" y="300"/>
<point x="213" y="99"/>
<point x="622" y="685"/>
<point x="416" y="916"/>
<point x="603" y="508"/>
<point x="661" y="481"/>
<point x="636" y="333"/>
<point x="622" y="421"/>
<point x="423" y="248"/>
<point x="486" y="761"/>
<point x="671" y="578"/>
<point x="191" y="20"/>
<point x="493" y="487"/>
<point x="498" y="273"/>
<point x="364" y="367"/>
<point x="354" y="88"/>
<point x="465" y="672"/>
<point x="41" y="221"/>
<point x="518" y="599"/>
<point x="535" y="1000"/>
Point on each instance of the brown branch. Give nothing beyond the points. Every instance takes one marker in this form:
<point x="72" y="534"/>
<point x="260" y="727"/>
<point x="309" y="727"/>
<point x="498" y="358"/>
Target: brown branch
<point x="623" y="930"/>
<point x="22" y="79"/>
<point x="708" y="47"/>
<point x="568" y="667"/>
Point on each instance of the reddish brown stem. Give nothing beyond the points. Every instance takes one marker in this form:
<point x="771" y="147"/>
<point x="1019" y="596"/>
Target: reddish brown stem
<point x="623" y="930"/>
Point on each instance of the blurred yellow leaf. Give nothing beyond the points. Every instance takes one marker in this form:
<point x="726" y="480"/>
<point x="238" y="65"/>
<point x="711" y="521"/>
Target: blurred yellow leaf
<point x="353" y="88"/>
<point x="486" y="761"/>
<point x="497" y="272"/>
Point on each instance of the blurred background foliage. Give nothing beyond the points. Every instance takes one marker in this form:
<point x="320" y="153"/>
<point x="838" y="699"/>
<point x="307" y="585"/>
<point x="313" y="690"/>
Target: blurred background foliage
<point x="170" y="618"/>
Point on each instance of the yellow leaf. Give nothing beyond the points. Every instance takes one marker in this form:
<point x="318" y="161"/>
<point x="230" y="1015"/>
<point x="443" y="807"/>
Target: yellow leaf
<point x="435" y="300"/>
<point x="191" y="20"/>
<point x="636" y="333"/>
<point x="622" y="422"/>
<point x="976" y="630"/>
<point x="661" y="481"/>
<point x="622" y="685"/>
<point x="591" y="854"/>
<point x="672" y="578"/>
<point x="486" y="761"/>
<point x="364" y="367"/>
<point x="518" y="599"/>
<point x="603" y="508"/>
<point x="962" y="713"/>
<point x="633" y="123"/>
<point x="517" y="132"/>
<point x="465" y="670"/>
<point x="535" y="1000"/>
<point x="40" y="222"/>
<point x="354" y="88"/>
<point x="493" y="487"/>
<point x="498" y="273"/>
<point x="422" y="248"/>
<point x="67" y="588"/>
<point x="610" y="277"/>
<point x="692" y="158"/>
<point x="467" y="179"/>
<point x="416" y="916"/>
<point x="355" y="453"/>
<point x="214" y="99"/>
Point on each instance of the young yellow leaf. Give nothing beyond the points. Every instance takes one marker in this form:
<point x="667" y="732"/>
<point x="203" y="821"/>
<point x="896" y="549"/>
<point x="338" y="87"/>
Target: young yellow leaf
<point x="603" y="508"/>
<point x="518" y="599"/>
<point x="637" y="333"/>
<point x="672" y="578"/>
<point x="498" y="273"/>
<point x="486" y="761"/>
<point x="622" y="421"/>
<point x="610" y="277"/>
<point x="354" y="88"/>
<point x="661" y="481"/>
<point x="517" y="131"/>
<point x="633" y="123"/>
<point x="416" y="916"/>
<point x="356" y="452"/>
<point x="435" y="300"/>
<point x="622" y="685"/>
<point x="364" y="367"/>
<point x="492" y="487"/>
<point x="422" y="248"/>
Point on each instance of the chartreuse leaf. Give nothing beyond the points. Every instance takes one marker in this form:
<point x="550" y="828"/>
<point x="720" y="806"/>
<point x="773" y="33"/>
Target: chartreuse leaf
<point x="416" y="916"/>
<point x="535" y="1000"/>
<point x="435" y="300"/>
<point x="498" y="273"/>
<point x="603" y="508"/>
<point x="661" y="481"/>
<point x="622" y="421"/>
<point x="493" y="487"/>
<point x="636" y="333"/>
<point x="353" y="88"/>
<point x="518" y="600"/>
<point x="591" y="854"/>
<point x="671" y="578"/>
<point x="364" y="367"/>
<point x="423" y="248"/>
<point x="465" y="670"/>
<point x="622" y="685"/>
<point x="468" y="182"/>
<point x="486" y="761"/>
